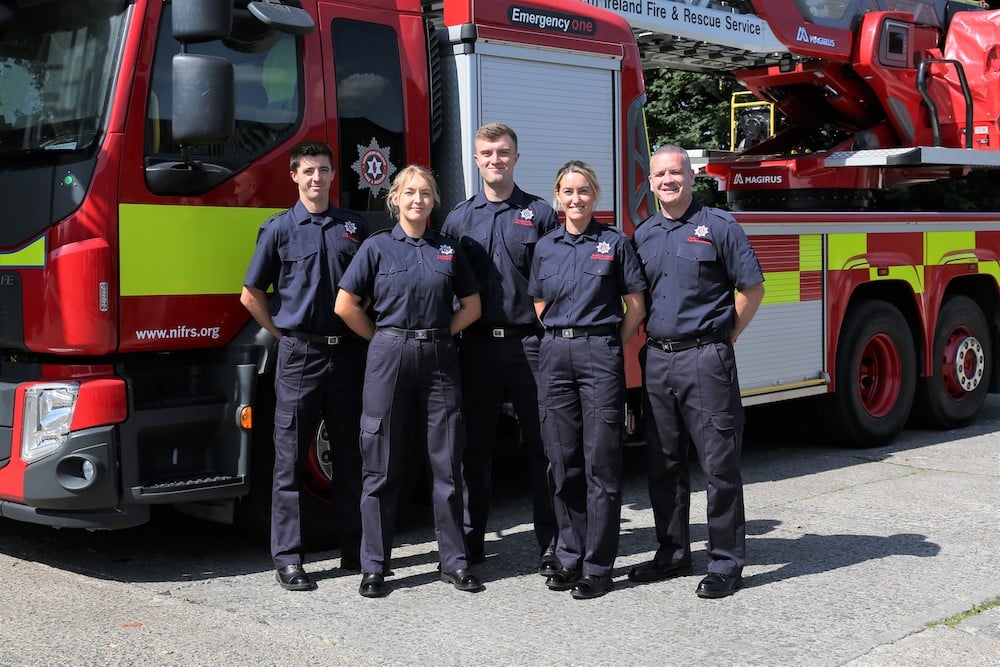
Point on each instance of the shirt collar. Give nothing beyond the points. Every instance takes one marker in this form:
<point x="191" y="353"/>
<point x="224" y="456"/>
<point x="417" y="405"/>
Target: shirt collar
<point x="302" y="216"/>
<point x="400" y="235"/>
<point x="518" y="199"/>
<point x="671" y="223"/>
<point x="591" y="233"/>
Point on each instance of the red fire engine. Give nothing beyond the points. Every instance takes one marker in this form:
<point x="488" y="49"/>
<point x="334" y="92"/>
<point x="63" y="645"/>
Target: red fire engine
<point x="142" y="144"/>
<point x="884" y="312"/>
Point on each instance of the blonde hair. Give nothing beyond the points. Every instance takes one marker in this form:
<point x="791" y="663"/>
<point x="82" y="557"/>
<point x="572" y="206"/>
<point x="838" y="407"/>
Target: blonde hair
<point x="579" y="167"/>
<point x="404" y="176"/>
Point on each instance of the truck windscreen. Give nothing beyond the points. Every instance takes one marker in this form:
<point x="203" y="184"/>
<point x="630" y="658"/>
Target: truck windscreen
<point x="57" y="66"/>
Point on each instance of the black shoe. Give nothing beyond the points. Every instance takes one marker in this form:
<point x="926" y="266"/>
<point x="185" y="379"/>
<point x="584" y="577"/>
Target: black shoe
<point x="653" y="571"/>
<point x="549" y="563"/>
<point x="350" y="563"/>
<point x="372" y="585"/>
<point x="592" y="586"/>
<point x="563" y="579"/>
<point x="463" y="580"/>
<point x="294" y="578"/>
<point x="717" y="585"/>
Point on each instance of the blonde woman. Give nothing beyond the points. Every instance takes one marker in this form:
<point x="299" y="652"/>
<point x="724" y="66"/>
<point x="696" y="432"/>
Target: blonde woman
<point x="588" y="290"/>
<point x="410" y="276"/>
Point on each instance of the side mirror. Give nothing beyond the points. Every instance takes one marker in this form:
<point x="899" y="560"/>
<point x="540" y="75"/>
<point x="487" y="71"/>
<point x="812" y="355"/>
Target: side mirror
<point x="204" y="105"/>
<point x="292" y="20"/>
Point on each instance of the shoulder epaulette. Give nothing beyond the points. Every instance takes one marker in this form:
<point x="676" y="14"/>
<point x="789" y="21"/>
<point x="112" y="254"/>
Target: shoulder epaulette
<point x="270" y="219"/>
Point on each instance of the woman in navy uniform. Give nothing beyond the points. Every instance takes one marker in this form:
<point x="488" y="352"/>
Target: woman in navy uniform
<point x="588" y="288"/>
<point x="410" y="276"/>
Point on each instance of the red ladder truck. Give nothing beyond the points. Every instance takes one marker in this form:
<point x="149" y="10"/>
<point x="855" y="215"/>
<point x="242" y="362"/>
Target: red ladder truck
<point x="142" y="144"/>
<point x="882" y="312"/>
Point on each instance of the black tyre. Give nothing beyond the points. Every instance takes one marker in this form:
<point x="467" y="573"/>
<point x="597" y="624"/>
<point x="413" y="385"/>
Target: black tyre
<point x="876" y="377"/>
<point x="962" y="363"/>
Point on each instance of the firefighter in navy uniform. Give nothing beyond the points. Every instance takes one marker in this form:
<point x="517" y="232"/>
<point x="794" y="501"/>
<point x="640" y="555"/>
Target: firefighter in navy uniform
<point x="498" y="229"/>
<point x="705" y="285"/>
<point x="303" y="253"/>
<point x="588" y="292"/>
<point x="411" y="277"/>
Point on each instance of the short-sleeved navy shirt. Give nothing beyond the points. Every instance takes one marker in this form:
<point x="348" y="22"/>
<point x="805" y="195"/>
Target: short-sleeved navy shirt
<point x="499" y="239"/>
<point x="582" y="278"/>
<point x="304" y="255"/>
<point x="412" y="283"/>
<point x="693" y="265"/>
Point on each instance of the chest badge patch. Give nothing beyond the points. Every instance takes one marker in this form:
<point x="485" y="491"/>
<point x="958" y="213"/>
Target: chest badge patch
<point x="603" y="252"/>
<point x="350" y="228"/>
<point x="700" y="235"/>
<point x="525" y="218"/>
<point x="446" y="253"/>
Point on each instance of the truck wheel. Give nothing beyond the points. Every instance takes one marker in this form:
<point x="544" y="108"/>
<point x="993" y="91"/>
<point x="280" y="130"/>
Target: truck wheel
<point x="876" y="377"/>
<point x="956" y="390"/>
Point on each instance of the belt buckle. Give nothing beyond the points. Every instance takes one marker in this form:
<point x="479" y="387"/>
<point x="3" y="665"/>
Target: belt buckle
<point x="332" y="340"/>
<point x="422" y="334"/>
<point x="498" y="333"/>
<point x="567" y="333"/>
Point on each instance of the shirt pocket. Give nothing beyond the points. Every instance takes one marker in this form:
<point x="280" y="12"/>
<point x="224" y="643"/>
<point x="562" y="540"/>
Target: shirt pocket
<point x="298" y="261"/>
<point x="392" y="279"/>
<point x="547" y="280"/>
<point x="598" y="267"/>
<point x="520" y="241"/>
<point x="695" y="261"/>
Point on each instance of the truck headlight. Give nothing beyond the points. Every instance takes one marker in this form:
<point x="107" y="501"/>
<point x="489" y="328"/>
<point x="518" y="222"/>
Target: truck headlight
<point x="48" y="412"/>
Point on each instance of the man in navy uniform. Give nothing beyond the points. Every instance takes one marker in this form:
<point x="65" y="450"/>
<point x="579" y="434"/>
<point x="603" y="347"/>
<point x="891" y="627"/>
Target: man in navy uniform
<point x="705" y="285"/>
<point x="498" y="229"/>
<point x="303" y="253"/>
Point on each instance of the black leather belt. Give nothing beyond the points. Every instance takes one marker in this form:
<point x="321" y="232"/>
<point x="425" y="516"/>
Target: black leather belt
<point x="416" y="334"/>
<point x="669" y="345"/>
<point x="515" y="331"/>
<point x="583" y="332"/>
<point x="314" y="338"/>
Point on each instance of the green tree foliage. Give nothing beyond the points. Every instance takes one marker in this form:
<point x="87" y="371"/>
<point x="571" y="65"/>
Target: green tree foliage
<point x="687" y="109"/>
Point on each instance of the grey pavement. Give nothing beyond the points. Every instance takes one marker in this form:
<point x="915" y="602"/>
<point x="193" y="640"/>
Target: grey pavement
<point x="854" y="557"/>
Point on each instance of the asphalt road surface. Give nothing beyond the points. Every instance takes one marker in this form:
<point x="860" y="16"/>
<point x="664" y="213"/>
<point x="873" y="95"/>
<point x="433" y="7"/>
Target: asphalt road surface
<point x="856" y="557"/>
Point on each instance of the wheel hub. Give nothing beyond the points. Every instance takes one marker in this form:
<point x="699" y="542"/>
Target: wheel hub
<point x="965" y="365"/>
<point x="322" y="449"/>
<point x="879" y="375"/>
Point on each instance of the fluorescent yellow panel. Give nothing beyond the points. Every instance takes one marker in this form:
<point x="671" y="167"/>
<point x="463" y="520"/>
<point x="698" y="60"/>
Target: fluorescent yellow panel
<point x="186" y="250"/>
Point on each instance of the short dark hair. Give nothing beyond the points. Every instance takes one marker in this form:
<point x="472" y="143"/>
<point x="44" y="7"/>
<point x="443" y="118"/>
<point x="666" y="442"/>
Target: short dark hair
<point x="308" y="149"/>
